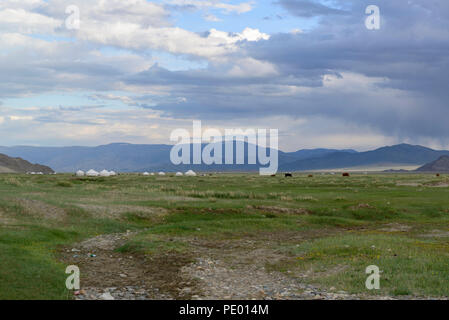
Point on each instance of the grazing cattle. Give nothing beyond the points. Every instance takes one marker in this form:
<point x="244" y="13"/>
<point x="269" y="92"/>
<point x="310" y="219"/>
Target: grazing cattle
<point x="345" y="174"/>
<point x="288" y="175"/>
<point x="273" y="175"/>
<point x="438" y="174"/>
<point x="310" y="175"/>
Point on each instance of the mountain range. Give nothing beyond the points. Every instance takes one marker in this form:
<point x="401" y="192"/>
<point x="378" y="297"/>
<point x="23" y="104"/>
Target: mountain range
<point x="125" y="157"/>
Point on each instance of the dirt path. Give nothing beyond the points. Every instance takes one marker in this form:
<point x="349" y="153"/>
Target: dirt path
<point x="218" y="269"/>
<point x="107" y="274"/>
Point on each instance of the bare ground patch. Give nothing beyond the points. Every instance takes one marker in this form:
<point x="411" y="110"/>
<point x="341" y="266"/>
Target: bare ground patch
<point x="116" y="211"/>
<point x="437" y="234"/>
<point x="396" y="227"/>
<point x="275" y="209"/>
<point x="5" y="220"/>
<point x="362" y="206"/>
<point x="109" y="274"/>
<point x="41" y="209"/>
<point x="441" y="184"/>
<point x="408" y="184"/>
<point x="236" y="269"/>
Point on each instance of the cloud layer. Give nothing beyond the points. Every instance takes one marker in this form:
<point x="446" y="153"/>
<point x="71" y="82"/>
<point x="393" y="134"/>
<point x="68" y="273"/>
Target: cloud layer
<point x="333" y="84"/>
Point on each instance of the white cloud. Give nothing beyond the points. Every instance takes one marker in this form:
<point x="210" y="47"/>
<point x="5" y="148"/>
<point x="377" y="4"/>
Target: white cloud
<point x="211" y="18"/>
<point x="22" y="4"/>
<point x="249" y="67"/>
<point x="174" y="40"/>
<point x="296" y="31"/>
<point x="140" y="12"/>
<point x="226" y="7"/>
<point x="20" y="20"/>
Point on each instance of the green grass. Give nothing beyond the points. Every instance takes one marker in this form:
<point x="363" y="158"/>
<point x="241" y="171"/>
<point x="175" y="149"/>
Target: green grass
<point x="152" y="244"/>
<point x="408" y="266"/>
<point x="41" y="214"/>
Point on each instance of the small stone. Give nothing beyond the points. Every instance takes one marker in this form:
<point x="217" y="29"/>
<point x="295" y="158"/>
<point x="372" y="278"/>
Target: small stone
<point x="122" y="275"/>
<point x="186" y="290"/>
<point x="106" y="296"/>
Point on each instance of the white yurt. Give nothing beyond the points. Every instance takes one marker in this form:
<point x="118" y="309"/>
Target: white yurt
<point x="104" y="173"/>
<point x="179" y="174"/>
<point x="162" y="173"/>
<point x="112" y="173"/>
<point x="190" y="173"/>
<point x="152" y="173"/>
<point x="146" y="174"/>
<point x="80" y="173"/>
<point x="92" y="173"/>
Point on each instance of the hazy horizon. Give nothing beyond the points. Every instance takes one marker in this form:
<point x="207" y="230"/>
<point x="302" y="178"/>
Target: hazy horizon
<point x="171" y="144"/>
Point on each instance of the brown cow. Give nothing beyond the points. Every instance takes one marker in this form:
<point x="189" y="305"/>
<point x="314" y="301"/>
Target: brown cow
<point x="346" y="174"/>
<point x="288" y="175"/>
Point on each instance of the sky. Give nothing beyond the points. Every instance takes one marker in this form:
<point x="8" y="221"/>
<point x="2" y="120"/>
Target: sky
<point x="135" y="70"/>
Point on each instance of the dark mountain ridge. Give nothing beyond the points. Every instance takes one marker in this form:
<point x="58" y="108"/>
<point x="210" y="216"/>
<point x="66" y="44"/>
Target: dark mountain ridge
<point x="402" y="154"/>
<point x="439" y="165"/>
<point x="18" y="165"/>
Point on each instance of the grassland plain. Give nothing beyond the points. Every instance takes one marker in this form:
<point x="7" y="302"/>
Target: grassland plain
<point x="225" y="236"/>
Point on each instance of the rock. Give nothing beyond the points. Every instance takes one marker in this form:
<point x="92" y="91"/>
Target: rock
<point x="122" y="275"/>
<point x="186" y="290"/>
<point x="106" y="296"/>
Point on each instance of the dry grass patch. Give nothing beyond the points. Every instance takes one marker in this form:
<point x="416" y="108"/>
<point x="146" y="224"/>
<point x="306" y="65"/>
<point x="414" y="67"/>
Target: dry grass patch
<point x="117" y="211"/>
<point x="36" y="208"/>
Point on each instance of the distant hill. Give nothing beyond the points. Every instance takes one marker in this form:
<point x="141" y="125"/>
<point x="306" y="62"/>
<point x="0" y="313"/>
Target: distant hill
<point x="125" y="157"/>
<point x="439" y="165"/>
<point x="18" y="165"/>
<point x="316" y="153"/>
<point x="403" y="154"/>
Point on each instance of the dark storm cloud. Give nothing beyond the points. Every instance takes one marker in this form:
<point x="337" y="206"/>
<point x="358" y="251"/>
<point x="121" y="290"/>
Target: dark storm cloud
<point x="309" y="8"/>
<point x="407" y="61"/>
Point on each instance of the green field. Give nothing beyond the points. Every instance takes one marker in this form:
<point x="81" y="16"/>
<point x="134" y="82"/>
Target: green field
<point x="322" y="230"/>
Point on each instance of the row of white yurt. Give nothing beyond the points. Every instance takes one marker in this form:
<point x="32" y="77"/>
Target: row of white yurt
<point x="179" y="174"/>
<point x="80" y="173"/>
<point x="93" y="173"/>
<point x="190" y="173"/>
